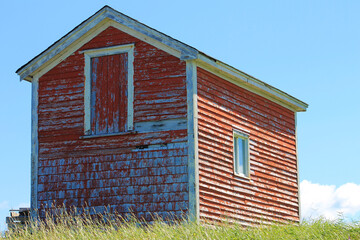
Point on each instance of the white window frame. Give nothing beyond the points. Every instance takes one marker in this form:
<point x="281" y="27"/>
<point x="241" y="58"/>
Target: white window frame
<point x="98" y="52"/>
<point x="236" y="135"/>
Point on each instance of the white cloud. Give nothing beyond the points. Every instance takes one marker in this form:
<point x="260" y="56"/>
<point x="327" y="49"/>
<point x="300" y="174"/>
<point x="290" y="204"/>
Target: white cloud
<point x="328" y="201"/>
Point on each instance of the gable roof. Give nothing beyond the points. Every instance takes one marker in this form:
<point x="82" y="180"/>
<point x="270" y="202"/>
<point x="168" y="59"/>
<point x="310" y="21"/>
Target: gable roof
<point x="107" y="16"/>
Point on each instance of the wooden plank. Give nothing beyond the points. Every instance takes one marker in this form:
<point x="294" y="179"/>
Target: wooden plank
<point x="101" y="102"/>
<point x="155" y="126"/>
<point x="192" y="132"/>
<point x="123" y="76"/>
<point x="256" y="100"/>
<point x="34" y="203"/>
<point x="113" y="92"/>
<point x="94" y="85"/>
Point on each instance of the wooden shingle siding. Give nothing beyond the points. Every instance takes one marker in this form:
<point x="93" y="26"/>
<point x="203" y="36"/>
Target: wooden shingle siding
<point x="141" y="172"/>
<point x="270" y="194"/>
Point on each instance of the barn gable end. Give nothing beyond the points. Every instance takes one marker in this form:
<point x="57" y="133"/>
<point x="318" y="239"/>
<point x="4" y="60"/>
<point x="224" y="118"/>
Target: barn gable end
<point x="127" y="117"/>
<point x="143" y="167"/>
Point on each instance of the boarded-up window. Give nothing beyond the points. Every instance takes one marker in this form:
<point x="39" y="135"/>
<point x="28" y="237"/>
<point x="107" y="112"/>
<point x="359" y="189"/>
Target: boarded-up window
<point x="109" y="90"/>
<point x="109" y="94"/>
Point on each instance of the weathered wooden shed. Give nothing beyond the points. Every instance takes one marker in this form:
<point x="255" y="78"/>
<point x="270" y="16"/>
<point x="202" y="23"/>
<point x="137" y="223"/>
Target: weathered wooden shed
<point x="127" y="117"/>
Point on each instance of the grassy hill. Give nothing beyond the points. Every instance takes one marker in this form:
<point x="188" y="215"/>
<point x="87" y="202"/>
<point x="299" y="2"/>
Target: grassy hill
<point x="70" y="227"/>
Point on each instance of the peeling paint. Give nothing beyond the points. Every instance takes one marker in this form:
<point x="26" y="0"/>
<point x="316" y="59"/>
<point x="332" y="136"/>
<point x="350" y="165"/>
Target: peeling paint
<point x="112" y="171"/>
<point x="271" y="192"/>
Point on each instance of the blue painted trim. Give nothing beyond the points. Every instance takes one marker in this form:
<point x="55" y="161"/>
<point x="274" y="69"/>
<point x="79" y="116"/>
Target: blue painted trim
<point x="34" y="148"/>
<point x="192" y="131"/>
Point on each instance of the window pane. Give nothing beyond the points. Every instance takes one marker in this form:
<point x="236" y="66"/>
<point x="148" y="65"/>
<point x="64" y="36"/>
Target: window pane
<point x="241" y="154"/>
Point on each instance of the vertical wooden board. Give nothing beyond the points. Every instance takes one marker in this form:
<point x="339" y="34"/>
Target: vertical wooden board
<point x="101" y="106"/>
<point x="94" y="82"/>
<point x="113" y="94"/>
<point x="117" y="88"/>
<point x="123" y="74"/>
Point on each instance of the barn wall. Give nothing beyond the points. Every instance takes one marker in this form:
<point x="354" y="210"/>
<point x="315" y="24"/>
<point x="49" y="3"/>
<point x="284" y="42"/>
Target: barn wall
<point x="271" y="192"/>
<point x="142" y="172"/>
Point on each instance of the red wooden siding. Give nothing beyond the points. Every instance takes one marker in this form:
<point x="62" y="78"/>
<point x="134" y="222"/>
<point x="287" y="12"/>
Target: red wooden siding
<point x="109" y="94"/>
<point x="271" y="194"/>
<point x="143" y="172"/>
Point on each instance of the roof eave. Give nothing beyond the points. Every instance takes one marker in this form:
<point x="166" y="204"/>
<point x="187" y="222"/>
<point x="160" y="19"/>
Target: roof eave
<point x="186" y="52"/>
<point x="30" y="67"/>
<point x="251" y="83"/>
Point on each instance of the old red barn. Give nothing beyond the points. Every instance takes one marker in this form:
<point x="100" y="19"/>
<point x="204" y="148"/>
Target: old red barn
<point x="128" y="117"/>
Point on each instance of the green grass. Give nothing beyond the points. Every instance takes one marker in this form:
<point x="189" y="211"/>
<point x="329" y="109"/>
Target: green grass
<point x="86" y="227"/>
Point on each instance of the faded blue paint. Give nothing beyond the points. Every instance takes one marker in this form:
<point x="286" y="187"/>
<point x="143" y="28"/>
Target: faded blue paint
<point x="155" y="126"/>
<point x="163" y="100"/>
<point x="130" y="190"/>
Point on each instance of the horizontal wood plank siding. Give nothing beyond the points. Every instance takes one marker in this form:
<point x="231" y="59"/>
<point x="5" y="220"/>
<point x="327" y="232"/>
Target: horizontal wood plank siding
<point x="142" y="173"/>
<point x="271" y="192"/>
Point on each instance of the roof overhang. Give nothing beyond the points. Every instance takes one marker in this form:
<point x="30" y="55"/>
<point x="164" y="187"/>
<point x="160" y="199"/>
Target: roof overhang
<point x="103" y="16"/>
<point x="107" y="16"/>
<point x="250" y="83"/>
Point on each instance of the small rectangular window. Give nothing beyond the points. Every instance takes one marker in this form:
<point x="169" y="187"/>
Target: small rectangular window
<point x="241" y="154"/>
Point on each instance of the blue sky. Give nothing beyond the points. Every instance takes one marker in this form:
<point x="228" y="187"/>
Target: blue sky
<point x="309" y="49"/>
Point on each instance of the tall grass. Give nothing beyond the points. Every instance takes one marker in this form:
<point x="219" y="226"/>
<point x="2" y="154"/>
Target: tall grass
<point x="111" y="226"/>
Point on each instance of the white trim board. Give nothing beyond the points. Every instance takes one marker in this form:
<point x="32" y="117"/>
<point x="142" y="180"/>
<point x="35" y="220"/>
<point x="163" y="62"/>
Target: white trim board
<point x="250" y="83"/>
<point x="127" y="24"/>
<point x="90" y="53"/>
<point x="92" y="33"/>
<point x="297" y="167"/>
<point x="192" y="131"/>
<point x="34" y="146"/>
<point x="109" y="17"/>
<point x="162" y="125"/>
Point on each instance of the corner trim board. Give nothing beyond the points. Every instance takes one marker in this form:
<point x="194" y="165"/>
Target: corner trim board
<point x="297" y="167"/>
<point x="34" y="146"/>
<point x="192" y="131"/>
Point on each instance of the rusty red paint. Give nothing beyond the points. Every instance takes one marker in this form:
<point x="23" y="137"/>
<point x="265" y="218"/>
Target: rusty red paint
<point x="111" y="171"/>
<point x="108" y="94"/>
<point x="122" y="173"/>
<point x="271" y="194"/>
